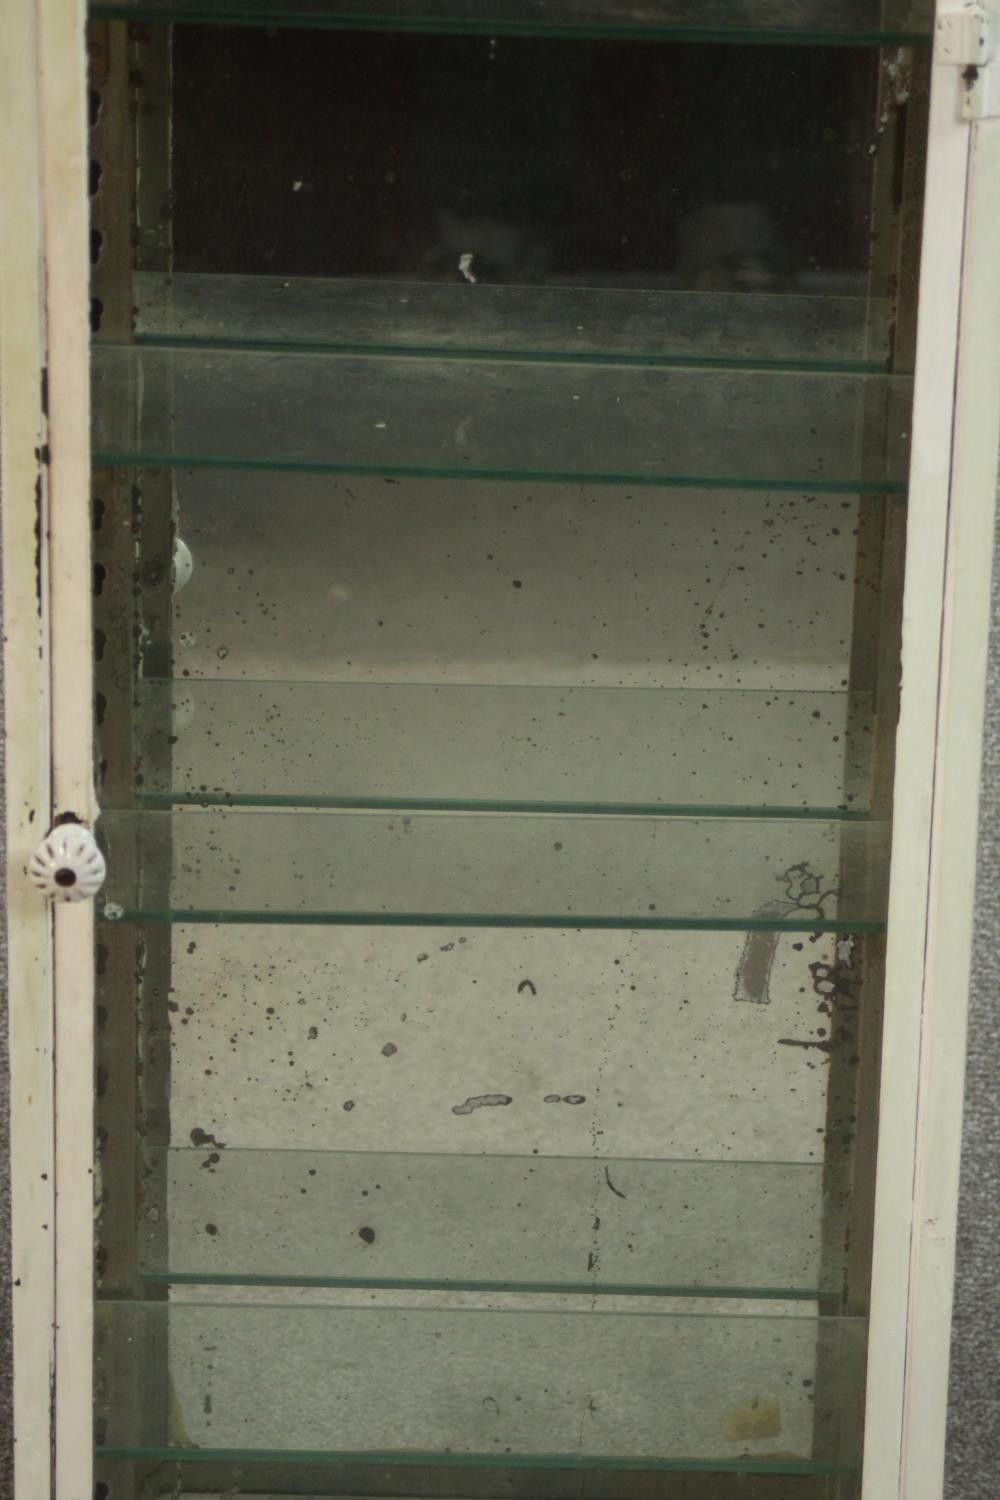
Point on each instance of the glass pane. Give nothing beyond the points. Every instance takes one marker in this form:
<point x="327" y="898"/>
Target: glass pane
<point x="658" y="1390"/>
<point x="342" y="414"/>
<point x="615" y="1045"/>
<point x="451" y="747"/>
<point x="501" y="458"/>
<point x="497" y="160"/>
<point x="493" y="1223"/>
<point x="816" y="22"/>
<point x="552" y="322"/>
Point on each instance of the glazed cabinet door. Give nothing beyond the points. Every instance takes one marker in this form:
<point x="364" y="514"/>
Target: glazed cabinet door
<point x="508" y="496"/>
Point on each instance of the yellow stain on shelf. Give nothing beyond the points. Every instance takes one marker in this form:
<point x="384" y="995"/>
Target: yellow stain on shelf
<point x="759" y="1418"/>
<point x="176" y="1426"/>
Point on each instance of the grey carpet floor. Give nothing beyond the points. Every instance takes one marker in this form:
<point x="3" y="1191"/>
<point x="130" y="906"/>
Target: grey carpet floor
<point x="973" y="1462"/>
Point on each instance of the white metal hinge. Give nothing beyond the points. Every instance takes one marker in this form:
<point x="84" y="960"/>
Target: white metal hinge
<point x="968" y="38"/>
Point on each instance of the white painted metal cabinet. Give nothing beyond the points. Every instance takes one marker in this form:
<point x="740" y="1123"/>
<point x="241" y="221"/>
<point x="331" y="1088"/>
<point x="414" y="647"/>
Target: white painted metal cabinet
<point x="495" y="619"/>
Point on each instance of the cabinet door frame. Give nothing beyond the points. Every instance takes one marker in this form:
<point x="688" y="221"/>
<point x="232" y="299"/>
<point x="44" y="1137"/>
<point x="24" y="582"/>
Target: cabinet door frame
<point x="47" y="585"/>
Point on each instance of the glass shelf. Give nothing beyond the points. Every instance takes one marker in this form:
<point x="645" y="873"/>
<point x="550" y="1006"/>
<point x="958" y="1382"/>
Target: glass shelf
<point x="806" y="22"/>
<point x="493" y="1223"/>
<point x="601" y="323"/>
<point x="420" y="869"/>
<point x="449" y="747"/>
<point x="657" y="1390"/>
<point x="453" y="418"/>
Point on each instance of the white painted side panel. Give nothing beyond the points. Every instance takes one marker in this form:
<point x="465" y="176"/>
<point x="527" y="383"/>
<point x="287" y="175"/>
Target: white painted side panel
<point x="62" y="77"/>
<point x="23" y="484"/>
<point x="954" y="833"/>
<point x="945" y="631"/>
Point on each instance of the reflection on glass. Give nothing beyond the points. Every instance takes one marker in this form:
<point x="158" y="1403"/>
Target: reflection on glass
<point x="565" y="1224"/>
<point x="250" y="865"/>
<point x="344" y="414"/>
<point x="493" y="748"/>
<point x="596" y="323"/>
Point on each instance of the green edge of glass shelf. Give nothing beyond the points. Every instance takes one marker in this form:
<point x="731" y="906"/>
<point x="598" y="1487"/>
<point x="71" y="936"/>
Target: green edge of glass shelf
<point x="432" y="1284"/>
<point x="812" y="23"/>
<point x="205" y="916"/>
<point x="125" y="458"/>
<point x="165" y="801"/>
<point x="438" y="1459"/>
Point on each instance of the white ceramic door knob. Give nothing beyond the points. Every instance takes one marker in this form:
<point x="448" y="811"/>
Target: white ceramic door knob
<point x="67" y="865"/>
<point x="183" y="564"/>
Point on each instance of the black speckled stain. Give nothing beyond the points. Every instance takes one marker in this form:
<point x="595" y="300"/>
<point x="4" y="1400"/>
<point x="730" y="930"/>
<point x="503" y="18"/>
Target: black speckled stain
<point x="481" y="1101"/>
<point x="617" y="1191"/>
